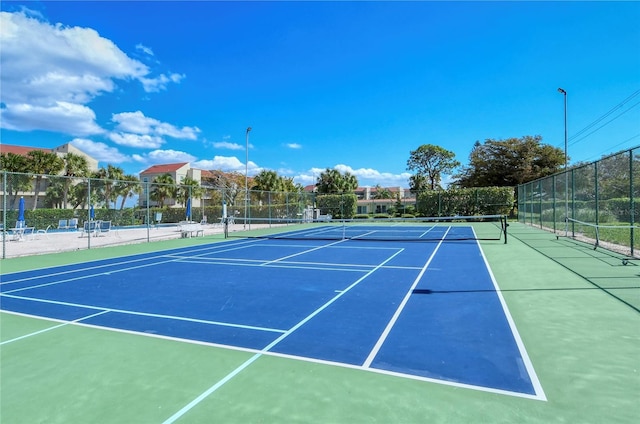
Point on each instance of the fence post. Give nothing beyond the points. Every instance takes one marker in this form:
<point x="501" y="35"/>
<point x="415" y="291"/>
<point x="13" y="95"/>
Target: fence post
<point x="4" y="213"/>
<point x="595" y="175"/>
<point x="631" y="203"/>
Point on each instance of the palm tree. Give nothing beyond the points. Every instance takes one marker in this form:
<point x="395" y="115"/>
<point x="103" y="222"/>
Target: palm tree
<point x="267" y="181"/>
<point x="349" y="183"/>
<point x="42" y="163"/>
<point x="54" y="196"/>
<point x="108" y="177"/>
<point x="163" y="188"/>
<point x="290" y="187"/>
<point x="126" y="188"/>
<point x="74" y="166"/>
<point x="382" y="193"/>
<point x="331" y="181"/>
<point x="189" y="188"/>
<point x="17" y="181"/>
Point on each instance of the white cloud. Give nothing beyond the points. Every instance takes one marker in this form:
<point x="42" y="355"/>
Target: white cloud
<point x="50" y="72"/>
<point x="163" y="156"/>
<point x="228" y="164"/>
<point x="136" y="140"/>
<point x="44" y="63"/>
<point x="137" y="123"/>
<point x="100" y="151"/>
<point x="227" y="145"/>
<point x="169" y="156"/>
<point x="159" y="83"/>
<point x="144" y="49"/>
<point x="369" y="176"/>
<point x="294" y="146"/>
<point x="69" y="118"/>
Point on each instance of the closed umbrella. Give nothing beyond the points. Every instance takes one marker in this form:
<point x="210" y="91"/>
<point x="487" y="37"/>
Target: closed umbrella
<point x="21" y="211"/>
<point x="189" y="209"/>
<point x="92" y="213"/>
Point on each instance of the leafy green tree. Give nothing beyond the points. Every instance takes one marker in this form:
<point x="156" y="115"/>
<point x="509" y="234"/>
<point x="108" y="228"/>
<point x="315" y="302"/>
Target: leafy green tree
<point x="290" y="187"/>
<point x="430" y="162"/>
<point x="331" y="181"/>
<point x="17" y="181"/>
<point x="499" y="163"/>
<point x="417" y="183"/>
<point x="163" y="188"/>
<point x="42" y="163"/>
<point x="230" y="183"/>
<point x="75" y="166"/>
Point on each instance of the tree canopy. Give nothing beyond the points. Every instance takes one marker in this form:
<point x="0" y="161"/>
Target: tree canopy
<point x="498" y="163"/>
<point x="429" y="162"/>
<point x="331" y="181"/>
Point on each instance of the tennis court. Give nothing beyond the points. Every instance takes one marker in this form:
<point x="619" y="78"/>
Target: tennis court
<point x="438" y="322"/>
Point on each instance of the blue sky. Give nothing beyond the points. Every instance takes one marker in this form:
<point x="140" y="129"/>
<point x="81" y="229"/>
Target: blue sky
<point x="350" y="85"/>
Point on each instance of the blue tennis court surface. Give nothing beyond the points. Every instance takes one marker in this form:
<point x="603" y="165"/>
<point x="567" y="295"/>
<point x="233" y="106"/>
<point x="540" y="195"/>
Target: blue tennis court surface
<point x="427" y="311"/>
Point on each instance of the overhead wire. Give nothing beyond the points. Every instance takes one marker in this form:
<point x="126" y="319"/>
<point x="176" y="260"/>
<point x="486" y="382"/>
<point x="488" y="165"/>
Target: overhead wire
<point x="597" y="121"/>
<point x="604" y="152"/>
<point x="603" y="125"/>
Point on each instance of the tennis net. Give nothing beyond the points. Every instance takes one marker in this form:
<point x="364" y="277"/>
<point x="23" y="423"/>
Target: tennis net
<point x="452" y="228"/>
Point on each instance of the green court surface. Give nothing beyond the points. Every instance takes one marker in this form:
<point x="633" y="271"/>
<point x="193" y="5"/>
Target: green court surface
<point x="576" y="309"/>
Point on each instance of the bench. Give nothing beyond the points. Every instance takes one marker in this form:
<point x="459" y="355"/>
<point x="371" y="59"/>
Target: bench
<point x="191" y="230"/>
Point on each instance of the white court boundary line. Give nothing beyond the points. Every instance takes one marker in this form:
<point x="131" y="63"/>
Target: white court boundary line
<point x="535" y="381"/>
<point x="145" y="314"/>
<point x="44" y="330"/>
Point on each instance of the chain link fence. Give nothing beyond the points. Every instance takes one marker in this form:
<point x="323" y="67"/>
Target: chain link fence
<point x="595" y="202"/>
<point x="42" y="208"/>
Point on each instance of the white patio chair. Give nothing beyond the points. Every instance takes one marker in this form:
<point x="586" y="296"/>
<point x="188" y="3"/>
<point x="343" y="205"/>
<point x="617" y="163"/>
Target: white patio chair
<point x="43" y="232"/>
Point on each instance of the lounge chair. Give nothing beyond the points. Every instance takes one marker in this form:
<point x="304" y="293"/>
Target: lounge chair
<point x="104" y="227"/>
<point x="73" y="224"/>
<point x="63" y="224"/>
<point x="89" y="227"/>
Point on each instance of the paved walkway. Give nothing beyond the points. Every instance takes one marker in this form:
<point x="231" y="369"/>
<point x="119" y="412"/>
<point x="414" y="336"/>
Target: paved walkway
<point x="59" y="241"/>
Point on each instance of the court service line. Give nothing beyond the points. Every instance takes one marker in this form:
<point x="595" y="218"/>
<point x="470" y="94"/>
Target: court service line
<point x="302" y="253"/>
<point x="82" y="277"/>
<point x="431" y="229"/>
<point x="146" y="314"/>
<point x="283" y="266"/>
<point x="53" y="328"/>
<point x="396" y="315"/>
<point x="271" y="345"/>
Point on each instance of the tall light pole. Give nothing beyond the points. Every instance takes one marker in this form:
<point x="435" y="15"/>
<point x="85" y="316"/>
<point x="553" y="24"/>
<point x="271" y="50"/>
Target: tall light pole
<point x="246" y="177"/>
<point x="566" y="173"/>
